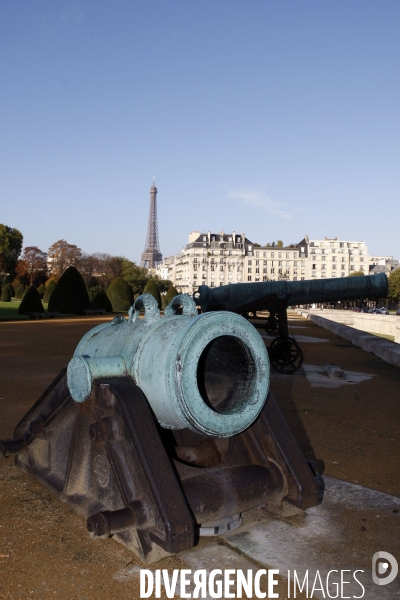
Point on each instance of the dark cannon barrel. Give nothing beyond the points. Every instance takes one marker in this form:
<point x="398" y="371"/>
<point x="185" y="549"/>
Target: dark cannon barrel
<point x="259" y="295"/>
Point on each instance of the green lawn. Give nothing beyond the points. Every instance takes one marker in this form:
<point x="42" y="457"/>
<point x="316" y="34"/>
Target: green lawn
<point x="9" y="311"/>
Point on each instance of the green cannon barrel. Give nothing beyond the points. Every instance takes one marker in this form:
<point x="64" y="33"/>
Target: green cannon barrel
<point x="208" y="372"/>
<point x="259" y="295"/>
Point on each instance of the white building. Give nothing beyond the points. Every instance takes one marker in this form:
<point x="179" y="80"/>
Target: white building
<point x="224" y="258"/>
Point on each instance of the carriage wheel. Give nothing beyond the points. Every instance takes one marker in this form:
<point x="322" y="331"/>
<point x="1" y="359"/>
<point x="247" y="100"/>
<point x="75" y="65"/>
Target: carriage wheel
<point x="272" y="325"/>
<point x="285" y="356"/>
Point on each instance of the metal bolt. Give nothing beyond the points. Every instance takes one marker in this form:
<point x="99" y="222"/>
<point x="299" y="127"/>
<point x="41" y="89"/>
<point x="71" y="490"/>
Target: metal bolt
<point x="98" y="526"/>
<point x="98" y="432"/>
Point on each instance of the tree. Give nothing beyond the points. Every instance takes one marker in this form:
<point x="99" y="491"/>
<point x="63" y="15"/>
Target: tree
<point x="41" y="290"/>
<point x="172" y="292"/>
<point x="50" y="287"/>
<point x="62" y="255"/>
<point x="101" y="301"/>
<point x="279" y="244"/>
<point x="5" y="294"/>
<point x="256" y="245"/>
<point x="31" y="302"/>
<point x="394" y="285"/>
<point x="120" y="295"/>
<point x="20" y="291"/>
<point x="70" y="294"/>
<point x="32" y="264"/>
<point x="357" y="274"/>
<point x="152" y="289"/>
<point x="135" y="276"/>
<point x="10" y="248"/>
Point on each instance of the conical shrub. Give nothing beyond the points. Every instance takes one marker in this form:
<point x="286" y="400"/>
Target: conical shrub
<point x="70" y="294"/>
<point x="120" y="295"/>
<point x="171" y="293"/>
<point x="41" y="290"/>
<point x="31" y="302"/>
<point x="151" y="288"/>
<point x="5" y="294"/>
<point x="20" y="291"/>
<point x="101" y="300"/>
<point x="10" y="288"/>
<point x="164" y="302"/>
<point x="50" y="287"/>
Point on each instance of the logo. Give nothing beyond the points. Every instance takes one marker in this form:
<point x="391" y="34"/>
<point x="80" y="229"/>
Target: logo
<point x="384" y="568"/>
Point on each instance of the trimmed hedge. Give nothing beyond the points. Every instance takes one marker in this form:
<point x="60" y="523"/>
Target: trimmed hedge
<point x="5" y="295"/>
<point x="172" y="292"/>
<point x="120" y="295"/>
<point x="151" y="288"/>
<point x="50" y="287"/>
<point x="20" y="291"/>
<point x="41" y="290"/>
<point x="70" y="295"/>
<point x="101" y="301"/>
<point x="31" y="302"/>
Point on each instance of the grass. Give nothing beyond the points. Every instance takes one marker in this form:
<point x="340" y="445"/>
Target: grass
<point x="9" y="311"/>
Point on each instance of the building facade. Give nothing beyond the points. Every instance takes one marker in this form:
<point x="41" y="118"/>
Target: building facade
<point x="216" y="259"/>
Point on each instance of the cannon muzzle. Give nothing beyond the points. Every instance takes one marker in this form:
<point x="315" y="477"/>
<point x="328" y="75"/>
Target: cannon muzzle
<point x="207" y="372"/>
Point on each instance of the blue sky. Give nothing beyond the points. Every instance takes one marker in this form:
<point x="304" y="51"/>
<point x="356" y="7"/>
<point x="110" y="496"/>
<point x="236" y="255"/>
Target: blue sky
<point x="273" y="118"/>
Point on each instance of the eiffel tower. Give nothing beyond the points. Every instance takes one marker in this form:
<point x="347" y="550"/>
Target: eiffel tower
<point x="151" y="256"/>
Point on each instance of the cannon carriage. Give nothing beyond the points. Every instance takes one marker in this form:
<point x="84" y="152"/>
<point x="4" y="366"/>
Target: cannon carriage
<point x="162" y="429"/>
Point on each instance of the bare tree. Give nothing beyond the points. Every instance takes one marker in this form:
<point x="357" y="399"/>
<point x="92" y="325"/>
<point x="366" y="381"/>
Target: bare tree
<point x="62" y="255"/>
<point x="33" y="264"/>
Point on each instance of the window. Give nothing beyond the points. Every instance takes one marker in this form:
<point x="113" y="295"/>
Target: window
<point x="264" y="269"/>
<point x="323" y="267"/>
<point x="195" y="260"/>
<point x="212" y="284"/>
<point x="295" y="263"/>
<point x="257" y="262"/>
<point x="265" y="278"/>
<point x="280" y="263"/>
<point x="314" y="266"/>
<point x="294" y="255"/>
<point x="257" y="254"/>
<point x="249" y="262"/>
<point x="272" y="254"/>
<point x="204" y="238"/>
<point x="264" y="254"/>
<point x="343" y="259"/>
<point x="257" y="269"/>
<point x="249" y="278"/>
<point x="279" y="254"/>
<point x="334" y="259"/>
<point x="333" y="266"/>
<point x="287" y="254"/>
<point x="249" y="270"/>
<point x="323" y="257"/>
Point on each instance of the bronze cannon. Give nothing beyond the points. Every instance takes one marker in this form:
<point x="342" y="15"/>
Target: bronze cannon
<point x="275" y="297"/>
<point x="162" y="429"/>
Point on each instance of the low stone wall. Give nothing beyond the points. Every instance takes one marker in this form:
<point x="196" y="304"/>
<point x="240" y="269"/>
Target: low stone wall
<point x="382" y="324"/>
<point x="384" y="349"/>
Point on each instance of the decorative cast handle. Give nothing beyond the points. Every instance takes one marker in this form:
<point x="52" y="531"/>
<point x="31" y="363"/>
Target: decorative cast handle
<point x="188" y="306"/>
<point x="151" y="311"/>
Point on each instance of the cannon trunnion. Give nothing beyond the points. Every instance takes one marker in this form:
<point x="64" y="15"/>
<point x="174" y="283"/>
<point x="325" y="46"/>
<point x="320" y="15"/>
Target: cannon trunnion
<point x="163" y="430"/>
